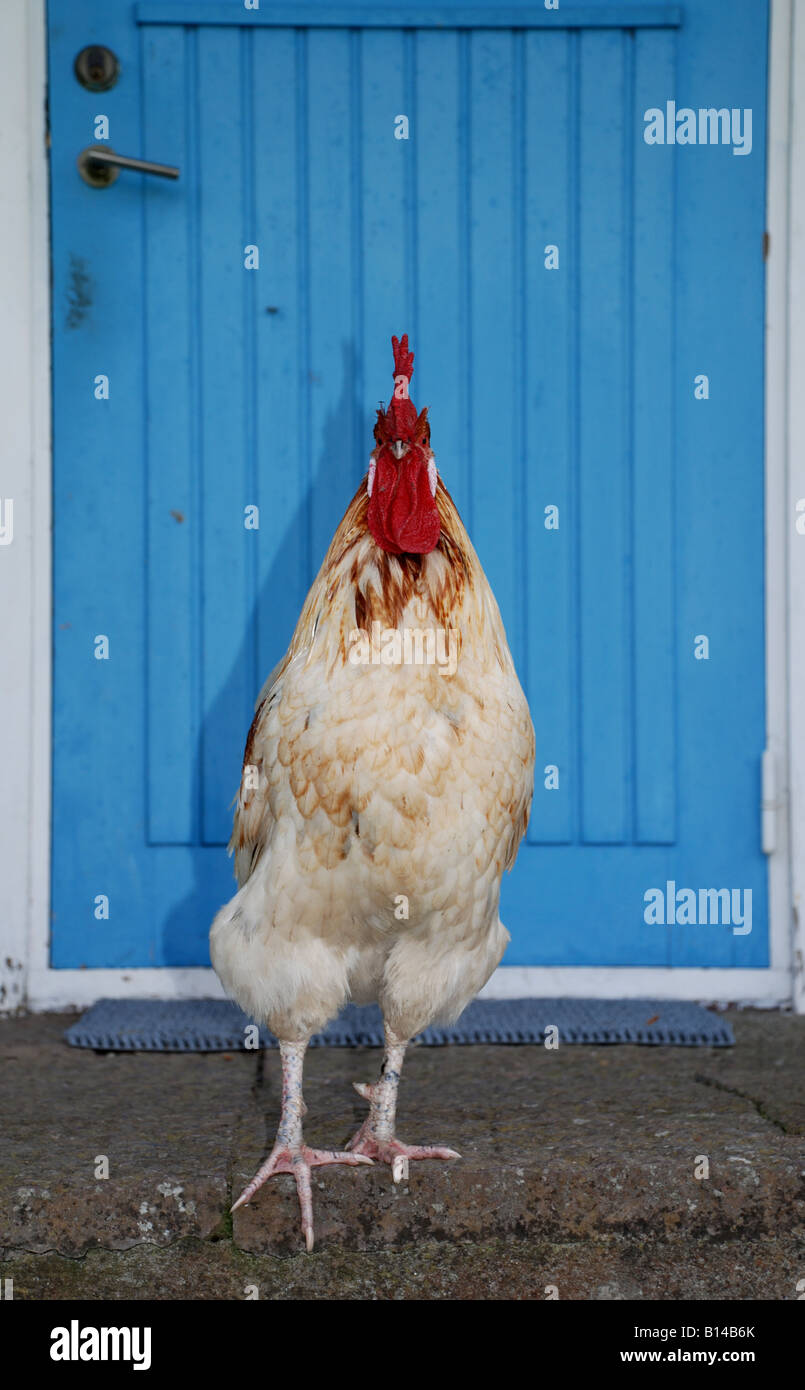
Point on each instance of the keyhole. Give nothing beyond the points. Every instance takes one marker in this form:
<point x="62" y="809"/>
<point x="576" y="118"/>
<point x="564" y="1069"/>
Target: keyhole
<point x="96" y="68"/>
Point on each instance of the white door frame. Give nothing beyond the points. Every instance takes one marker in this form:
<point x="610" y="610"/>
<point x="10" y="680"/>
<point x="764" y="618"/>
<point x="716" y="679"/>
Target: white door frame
<point x="789" y="440"/>
<point x="25" y="571"/>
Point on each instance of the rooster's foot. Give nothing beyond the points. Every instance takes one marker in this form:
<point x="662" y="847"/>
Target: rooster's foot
<point x="393" y="1151"/>
<point x="298" y="1160"/>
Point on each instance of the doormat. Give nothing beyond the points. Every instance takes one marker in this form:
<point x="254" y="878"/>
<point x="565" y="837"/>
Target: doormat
<point x="215" y="1025"/>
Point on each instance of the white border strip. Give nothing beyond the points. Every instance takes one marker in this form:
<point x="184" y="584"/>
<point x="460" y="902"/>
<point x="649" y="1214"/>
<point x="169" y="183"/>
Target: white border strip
<point x="794" y="491"/>
<point x="66" y="989"/>
<point x="25" y="474"/>
<point x="776" y="509"/>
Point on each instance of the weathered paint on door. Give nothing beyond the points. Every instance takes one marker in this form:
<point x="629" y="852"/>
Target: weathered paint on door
<point x="560" y="393"/>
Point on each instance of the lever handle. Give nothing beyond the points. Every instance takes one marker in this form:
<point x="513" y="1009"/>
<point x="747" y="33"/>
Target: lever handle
<point x="99" y="166"/>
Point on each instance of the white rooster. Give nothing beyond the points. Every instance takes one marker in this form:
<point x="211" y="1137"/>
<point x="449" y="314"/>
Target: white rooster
<point x="386" y="786"/>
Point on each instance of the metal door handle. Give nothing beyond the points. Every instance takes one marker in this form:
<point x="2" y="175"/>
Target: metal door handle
<point x="99" y="166"/>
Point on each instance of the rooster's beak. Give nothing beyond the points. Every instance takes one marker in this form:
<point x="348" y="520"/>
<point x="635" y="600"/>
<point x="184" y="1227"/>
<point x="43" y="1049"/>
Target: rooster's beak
<point x="398" y="448"/>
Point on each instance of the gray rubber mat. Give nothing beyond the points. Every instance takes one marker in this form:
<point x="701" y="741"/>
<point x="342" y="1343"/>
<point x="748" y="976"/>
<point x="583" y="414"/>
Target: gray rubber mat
<point x="214" y="1025"/>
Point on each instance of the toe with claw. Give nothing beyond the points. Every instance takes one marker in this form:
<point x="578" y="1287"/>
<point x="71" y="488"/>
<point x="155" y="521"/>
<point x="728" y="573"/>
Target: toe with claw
<point x="290" y="1153"/>
<point x="299" y="1160"/>
<point x="394" y="1151"/>
<point x="375" y="1139"/>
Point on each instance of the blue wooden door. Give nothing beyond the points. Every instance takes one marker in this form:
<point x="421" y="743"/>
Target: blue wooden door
<point x="585" y="301"/>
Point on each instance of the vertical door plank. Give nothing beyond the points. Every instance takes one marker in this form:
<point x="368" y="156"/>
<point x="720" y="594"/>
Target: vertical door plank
<point x="99" y="522"/>
<point x="441" y="345"/>
<point x="493" y="356"/>
<point x="600" y="392"/>
<point x="654" y="560"/>
<point x="332" y="300"/>
<point x="174" y="520"/>
<point x="386" y="165"/>
<point x="283" y="491"/>
<point x="225" y="403"/>
<point x="719" y="496"/>
<point x="547" y="399"/>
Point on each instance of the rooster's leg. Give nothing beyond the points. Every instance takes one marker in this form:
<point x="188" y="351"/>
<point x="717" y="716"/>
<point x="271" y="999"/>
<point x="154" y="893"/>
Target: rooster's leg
<point x="290" y="1154"/>
<point x="376" y="1139"/>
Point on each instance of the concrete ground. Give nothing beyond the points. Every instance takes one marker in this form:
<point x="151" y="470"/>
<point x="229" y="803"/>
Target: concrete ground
<point x="578" y="1176"/>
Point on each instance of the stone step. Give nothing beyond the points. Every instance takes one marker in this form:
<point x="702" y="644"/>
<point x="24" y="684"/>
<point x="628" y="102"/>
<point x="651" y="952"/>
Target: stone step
<point x="609" y="1269"/>
<point x="583" y="1144"/>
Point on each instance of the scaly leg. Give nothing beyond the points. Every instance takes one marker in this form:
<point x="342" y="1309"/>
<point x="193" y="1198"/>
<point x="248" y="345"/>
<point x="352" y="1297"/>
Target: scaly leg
<point x="375" y="1138"/>
<point x="290" y="1154"/>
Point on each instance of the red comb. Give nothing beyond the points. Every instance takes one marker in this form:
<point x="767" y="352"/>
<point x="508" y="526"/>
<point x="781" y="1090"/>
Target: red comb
<point x="401" y="415"/>
<point x="403" y="359"/>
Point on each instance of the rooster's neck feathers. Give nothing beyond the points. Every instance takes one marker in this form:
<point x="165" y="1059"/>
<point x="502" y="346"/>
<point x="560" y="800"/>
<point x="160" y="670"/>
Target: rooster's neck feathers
<point x="359" y="584"/>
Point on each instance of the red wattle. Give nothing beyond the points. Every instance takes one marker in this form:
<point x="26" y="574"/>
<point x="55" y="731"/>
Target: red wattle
<point x="403" y="516"/>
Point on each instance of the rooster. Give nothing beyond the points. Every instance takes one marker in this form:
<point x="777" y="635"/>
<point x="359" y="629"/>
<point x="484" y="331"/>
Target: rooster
<point x="386" y="785"/>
